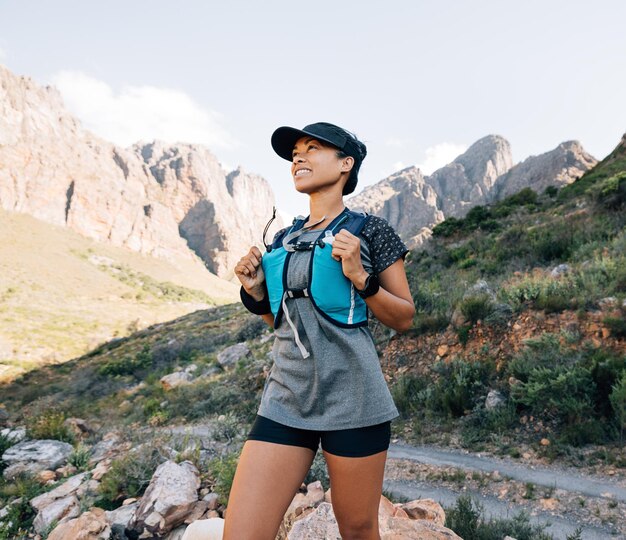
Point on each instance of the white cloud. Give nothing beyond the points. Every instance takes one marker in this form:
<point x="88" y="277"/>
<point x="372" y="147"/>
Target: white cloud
<point x="140" y="113"/>
<point x="439" y="155"/>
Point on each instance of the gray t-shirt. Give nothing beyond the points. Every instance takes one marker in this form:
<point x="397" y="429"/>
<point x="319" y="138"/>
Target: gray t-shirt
<point x="340" y="385"/>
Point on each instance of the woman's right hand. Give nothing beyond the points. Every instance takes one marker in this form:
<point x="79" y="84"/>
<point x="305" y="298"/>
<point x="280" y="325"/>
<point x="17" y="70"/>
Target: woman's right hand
<point x="250" y="272"/>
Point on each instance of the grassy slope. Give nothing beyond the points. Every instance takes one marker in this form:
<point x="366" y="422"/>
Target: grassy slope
<point x="494" y="244"/>
<point x="55" y="304"/>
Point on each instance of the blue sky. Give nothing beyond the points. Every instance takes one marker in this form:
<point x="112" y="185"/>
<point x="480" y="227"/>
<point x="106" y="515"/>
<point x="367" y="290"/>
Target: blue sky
<point x="417" y="81"/>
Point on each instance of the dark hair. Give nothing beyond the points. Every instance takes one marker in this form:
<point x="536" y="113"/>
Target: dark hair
<point x="358" y="151"/>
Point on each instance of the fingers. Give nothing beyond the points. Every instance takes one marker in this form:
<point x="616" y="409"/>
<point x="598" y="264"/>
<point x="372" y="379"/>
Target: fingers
<point x="249" y="263"/>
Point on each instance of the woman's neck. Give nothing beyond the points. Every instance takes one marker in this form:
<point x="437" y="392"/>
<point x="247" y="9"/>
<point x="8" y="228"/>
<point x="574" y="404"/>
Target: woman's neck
<point x="330" y="213"/>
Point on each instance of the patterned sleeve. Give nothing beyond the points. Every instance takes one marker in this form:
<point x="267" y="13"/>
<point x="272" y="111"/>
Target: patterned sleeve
<point x="385" y="246"/>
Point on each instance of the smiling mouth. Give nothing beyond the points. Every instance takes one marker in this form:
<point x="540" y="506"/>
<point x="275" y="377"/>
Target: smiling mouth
<point x="302" y="172"/>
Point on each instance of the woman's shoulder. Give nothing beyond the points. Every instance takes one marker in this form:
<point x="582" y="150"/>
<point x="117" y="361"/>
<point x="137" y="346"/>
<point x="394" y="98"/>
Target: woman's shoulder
<point x="374" y="225"/>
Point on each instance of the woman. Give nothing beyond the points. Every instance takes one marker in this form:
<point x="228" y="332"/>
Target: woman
<point x="315" y="286"/>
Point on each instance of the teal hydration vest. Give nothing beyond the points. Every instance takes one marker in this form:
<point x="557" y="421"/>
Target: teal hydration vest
<point x="332" y="294"/>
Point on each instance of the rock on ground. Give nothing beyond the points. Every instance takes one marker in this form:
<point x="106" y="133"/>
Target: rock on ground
<point x="35" y="456"/>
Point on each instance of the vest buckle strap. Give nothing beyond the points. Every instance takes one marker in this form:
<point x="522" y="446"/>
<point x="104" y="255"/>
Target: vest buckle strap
<point x="297" y="293"/>
<point x="303" y="246"/>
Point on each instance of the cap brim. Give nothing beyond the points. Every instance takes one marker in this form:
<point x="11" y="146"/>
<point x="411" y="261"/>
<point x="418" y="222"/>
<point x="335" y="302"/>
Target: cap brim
<point x="284" y="139"/>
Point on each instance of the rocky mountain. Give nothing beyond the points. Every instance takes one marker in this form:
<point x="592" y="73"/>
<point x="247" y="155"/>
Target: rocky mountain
<point x="484" y="173"/>
<point x="168" y="201"/>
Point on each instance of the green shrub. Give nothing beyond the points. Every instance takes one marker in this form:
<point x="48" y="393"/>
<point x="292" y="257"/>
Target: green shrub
<point x="467" y="519"/>
<point x="79" y="457"/>
<point x="128" y="365"/>
<point x="409" y="393"/>
<point x="554" y="241"/>
<point x="483" y="424"/>
<point x="477" y="307"/>
<point x="459" y="386"/>
<point x="130" y="475"/>
<point x="618" y="402"/>
<point x="318" y="471"/>
<point x="617" y="326"/>
<point x="227" y="427"/>
<point x="49" y="425"/>
<point x="222" y="470"/>
<point x="448" y="227"/>
<point x="610" y="193"/>
<point x="20" y="515"/>
<point x="551" y="191"/>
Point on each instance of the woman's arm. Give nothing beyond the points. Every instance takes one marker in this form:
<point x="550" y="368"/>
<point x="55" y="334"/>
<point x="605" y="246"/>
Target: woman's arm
<point x="269" y="319"/>
<point x="393" y="304"/>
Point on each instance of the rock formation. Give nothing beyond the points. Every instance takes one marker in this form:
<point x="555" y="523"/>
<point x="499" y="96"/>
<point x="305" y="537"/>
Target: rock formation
<point x="484" y="173"/>
<point x="168" y="201"/>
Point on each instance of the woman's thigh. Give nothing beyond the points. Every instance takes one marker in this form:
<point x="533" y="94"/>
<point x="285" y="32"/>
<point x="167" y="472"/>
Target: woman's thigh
<point x="273" y="463"/>
<point x="356" y="465"/>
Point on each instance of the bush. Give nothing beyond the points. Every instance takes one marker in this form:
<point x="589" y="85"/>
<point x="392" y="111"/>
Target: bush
<point x="409" y="393"/>
<point x="130" y="475"/>
<point x="79" y="457"/>
<point x="610" y="193"/>
<point x="477" y="307"/>
<point x="128" y="365"/>
<point x="222" y="471"/>
<point x="617" y="326"/>
<point x="49" y="425"/>
<point x="568" y="386"/>
<point x="318" y="471"/>
<point x="467" y="519"/>
<point x="618" y="401"/>
<point x="20" y="515"/>
<point x="483" y="424"/>
<point x="459" y="386"/>
<point x="227" y="427"/>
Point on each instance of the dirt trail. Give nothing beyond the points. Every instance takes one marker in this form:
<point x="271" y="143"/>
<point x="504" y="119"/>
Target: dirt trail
<point x="602" y="516"/>
<point x="597" y="505"/>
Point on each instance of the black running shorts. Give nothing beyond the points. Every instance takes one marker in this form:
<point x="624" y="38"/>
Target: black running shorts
<point x="355" y="442"/>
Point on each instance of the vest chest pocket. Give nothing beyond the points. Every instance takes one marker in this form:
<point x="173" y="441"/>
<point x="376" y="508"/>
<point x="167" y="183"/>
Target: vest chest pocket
<point x="330" y="288"/>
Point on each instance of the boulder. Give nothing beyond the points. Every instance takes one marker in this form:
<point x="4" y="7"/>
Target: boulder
<point x="320" y="523"/>
<point x="122" y="516"/>
<point x="91" y="525"/>
<point x="173" y="380"/>
<point x="59" y="510"/>
<point x="205" y="529"/>
<point x="494" y="400"/>
<point x="14" y="435"/>
<point x="66" y="488"/>
<point x="397" y="528"/>
<point x="35" y="456"/>
<point x="395" y="522"/>
<point x="425" y="509"/>
<point x="230" y="355"/>
<point x="169" y="499"/>
<point x="110" y="445"/>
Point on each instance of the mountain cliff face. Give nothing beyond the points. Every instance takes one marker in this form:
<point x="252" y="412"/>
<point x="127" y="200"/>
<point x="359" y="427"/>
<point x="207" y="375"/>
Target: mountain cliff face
<point x="484" y="173"/>
<point x="176" y="200"/>
<point x="168" y="201"/>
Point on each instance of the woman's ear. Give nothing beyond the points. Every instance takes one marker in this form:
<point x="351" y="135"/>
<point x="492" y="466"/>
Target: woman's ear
<point x="348" y="163"/>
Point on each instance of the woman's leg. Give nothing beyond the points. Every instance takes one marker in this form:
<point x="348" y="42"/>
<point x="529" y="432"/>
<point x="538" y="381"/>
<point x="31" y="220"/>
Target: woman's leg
<point x="356" y="485"/>
<point x="273" y="463"/>
<point x="356" y="466"/>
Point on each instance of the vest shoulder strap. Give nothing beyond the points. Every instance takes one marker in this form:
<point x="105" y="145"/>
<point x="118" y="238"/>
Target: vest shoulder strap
<point x="354" y="224"/>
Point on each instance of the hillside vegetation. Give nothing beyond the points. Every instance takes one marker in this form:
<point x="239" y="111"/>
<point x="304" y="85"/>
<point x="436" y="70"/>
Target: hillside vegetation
<point x="62" y="294"/>
<point x="518" y="346"/>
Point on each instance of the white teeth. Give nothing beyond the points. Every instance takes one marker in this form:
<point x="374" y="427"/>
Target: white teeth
<point x="301" y="171"/>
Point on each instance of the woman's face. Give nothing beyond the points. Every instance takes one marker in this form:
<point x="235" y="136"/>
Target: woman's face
<point x="315" y="165"/>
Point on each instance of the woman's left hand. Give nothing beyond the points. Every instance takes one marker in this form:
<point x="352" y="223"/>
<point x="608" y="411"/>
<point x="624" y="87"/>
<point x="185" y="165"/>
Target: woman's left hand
<point x="347" y="249"/>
